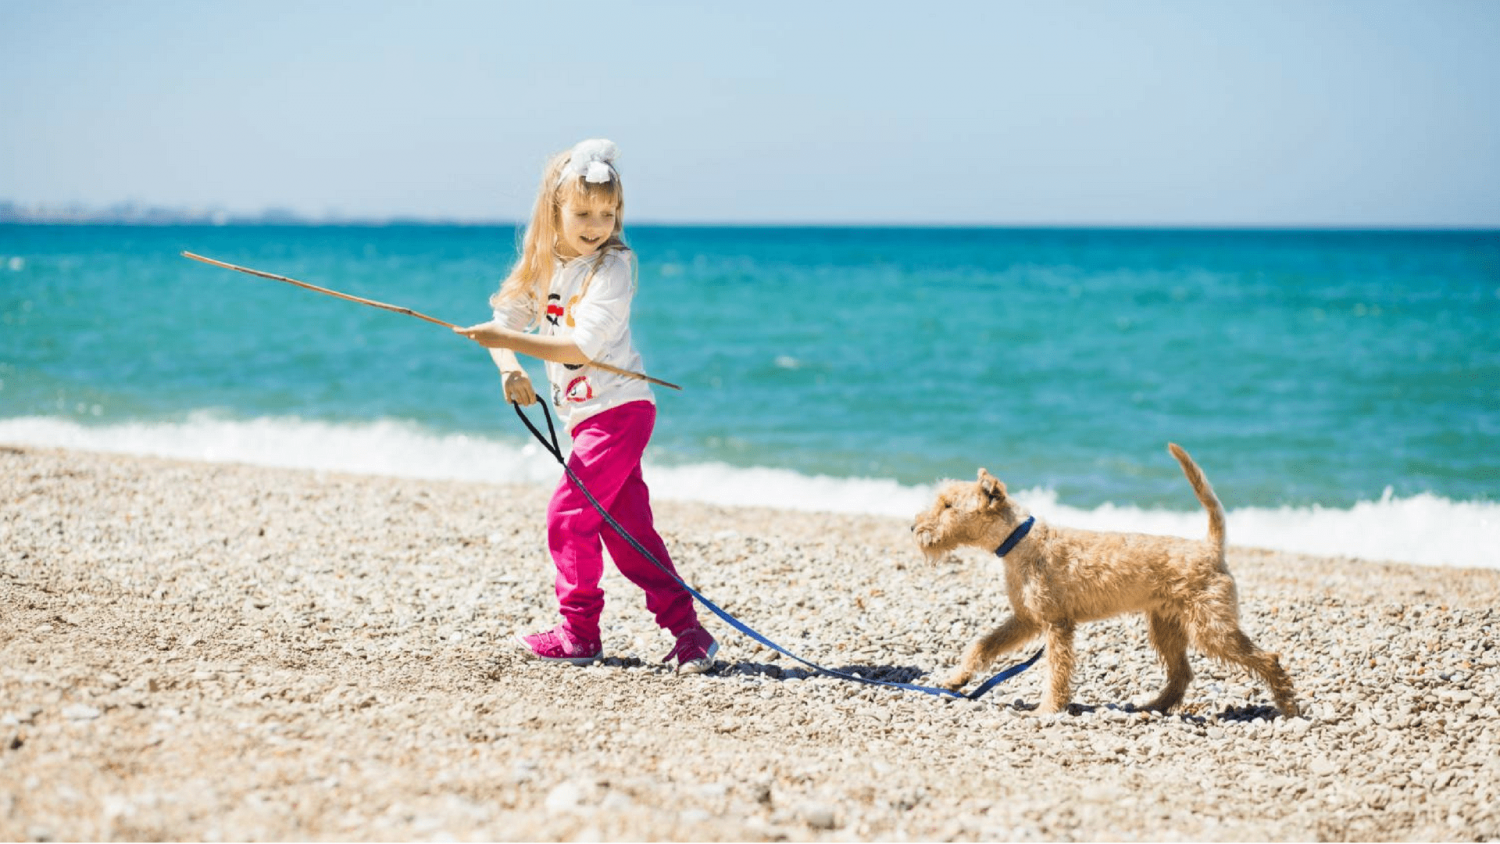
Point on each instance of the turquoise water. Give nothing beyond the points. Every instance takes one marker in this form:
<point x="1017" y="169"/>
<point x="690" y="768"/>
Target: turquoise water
<point x="1302" y="369"/>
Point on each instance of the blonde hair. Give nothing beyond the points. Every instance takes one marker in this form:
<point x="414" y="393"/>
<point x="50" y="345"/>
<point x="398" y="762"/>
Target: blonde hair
<point x="530" y="278"/>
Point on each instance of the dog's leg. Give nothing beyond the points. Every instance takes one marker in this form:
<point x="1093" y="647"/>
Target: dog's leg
<point x="1060" y="668"/>
<point x="1234" y="646"/>
<point x="1011" y="634"/>
<point x="1170" y="639"/>
<point x="1214" y="625"/>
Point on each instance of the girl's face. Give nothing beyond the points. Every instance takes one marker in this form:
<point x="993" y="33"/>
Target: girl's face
<point x="585" y="225"/>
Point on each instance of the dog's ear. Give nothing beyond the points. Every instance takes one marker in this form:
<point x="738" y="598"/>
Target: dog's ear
<point x="992" y="486"/>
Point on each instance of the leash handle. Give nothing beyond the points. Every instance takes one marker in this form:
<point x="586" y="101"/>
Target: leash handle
<point x="556" y="451"/>
<point x="551" y="431"/>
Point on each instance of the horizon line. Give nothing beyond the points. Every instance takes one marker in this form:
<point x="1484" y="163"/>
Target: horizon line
<point x="440" y="222"/>
<point x="139" y="214"/>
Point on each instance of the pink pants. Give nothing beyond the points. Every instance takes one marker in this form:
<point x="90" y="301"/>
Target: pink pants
<point x="606" y="456"/>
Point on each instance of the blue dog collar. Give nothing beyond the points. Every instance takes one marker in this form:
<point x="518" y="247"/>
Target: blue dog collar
<point x="1015" y="537"/>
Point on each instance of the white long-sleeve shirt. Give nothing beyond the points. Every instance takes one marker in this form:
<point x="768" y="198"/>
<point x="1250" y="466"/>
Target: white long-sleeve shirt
<point x="598" y="321"/>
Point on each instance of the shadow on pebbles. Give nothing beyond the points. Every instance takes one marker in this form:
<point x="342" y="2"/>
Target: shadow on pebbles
<point x="206" y="651"/>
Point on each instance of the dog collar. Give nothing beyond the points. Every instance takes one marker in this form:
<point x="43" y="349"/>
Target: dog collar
<point x="1015" y="537"/>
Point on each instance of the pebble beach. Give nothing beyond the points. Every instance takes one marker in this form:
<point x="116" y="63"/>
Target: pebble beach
<point x="202" y="651"/>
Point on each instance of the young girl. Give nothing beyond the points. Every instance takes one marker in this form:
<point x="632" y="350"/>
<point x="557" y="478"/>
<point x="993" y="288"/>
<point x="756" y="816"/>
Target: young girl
<point x="573" y="282"/>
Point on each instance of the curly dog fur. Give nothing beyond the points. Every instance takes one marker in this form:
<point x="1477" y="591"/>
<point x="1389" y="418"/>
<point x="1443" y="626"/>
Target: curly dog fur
<point x="1057" y="578"/>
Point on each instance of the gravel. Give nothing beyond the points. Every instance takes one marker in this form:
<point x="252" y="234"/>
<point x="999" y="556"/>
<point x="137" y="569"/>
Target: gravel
<point x="210" y="651"/>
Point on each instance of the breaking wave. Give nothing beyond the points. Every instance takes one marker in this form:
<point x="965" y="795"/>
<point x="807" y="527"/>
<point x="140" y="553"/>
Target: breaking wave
<point x="1425" y="529"/>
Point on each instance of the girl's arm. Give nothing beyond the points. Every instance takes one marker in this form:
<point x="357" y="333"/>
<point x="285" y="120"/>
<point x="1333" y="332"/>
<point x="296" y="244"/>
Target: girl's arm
<point x="492" y="335"/>
<point x="516" y="382"/>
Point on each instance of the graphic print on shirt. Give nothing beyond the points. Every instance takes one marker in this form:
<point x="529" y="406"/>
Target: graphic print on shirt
<point x="556" y="312"/>
<point x="580" y="390"/>
<point x="572" y="304"/>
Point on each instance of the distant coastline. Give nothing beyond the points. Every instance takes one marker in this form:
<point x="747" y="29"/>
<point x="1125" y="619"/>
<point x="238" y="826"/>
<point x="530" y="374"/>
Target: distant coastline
<point x="140" y="214"/>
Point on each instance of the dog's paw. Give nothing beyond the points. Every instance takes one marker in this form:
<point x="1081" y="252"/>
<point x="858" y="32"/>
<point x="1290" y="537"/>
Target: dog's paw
<point x="1162" y="705"/>
<point x="956" y="680"/>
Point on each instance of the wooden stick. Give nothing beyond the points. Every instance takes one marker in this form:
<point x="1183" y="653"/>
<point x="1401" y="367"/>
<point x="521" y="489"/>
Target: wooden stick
<point x="397" y="308"/>
<point x="400" y="310"/>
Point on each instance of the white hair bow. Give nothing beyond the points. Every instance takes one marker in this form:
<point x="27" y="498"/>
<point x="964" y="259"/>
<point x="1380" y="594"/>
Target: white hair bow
<point x="591" y="160"/>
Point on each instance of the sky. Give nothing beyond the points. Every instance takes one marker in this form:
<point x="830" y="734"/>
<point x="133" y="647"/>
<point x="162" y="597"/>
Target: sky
<point x="1193" y="113"/>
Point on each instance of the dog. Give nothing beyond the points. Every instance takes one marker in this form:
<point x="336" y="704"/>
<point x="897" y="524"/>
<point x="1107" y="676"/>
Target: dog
<point x="1058" y="578"/>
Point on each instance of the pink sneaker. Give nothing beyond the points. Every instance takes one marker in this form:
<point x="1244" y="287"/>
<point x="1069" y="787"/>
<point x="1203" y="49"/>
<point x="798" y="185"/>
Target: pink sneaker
<point x="694" y="652"/>
<point x="558" y="645"/>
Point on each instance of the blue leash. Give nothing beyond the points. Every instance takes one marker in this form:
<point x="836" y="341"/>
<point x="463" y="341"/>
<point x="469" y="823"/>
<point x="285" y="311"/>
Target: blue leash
<point x="556" y="451"/>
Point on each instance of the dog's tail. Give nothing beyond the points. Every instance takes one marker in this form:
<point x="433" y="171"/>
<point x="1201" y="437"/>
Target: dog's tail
<point x="1205" y="494"/>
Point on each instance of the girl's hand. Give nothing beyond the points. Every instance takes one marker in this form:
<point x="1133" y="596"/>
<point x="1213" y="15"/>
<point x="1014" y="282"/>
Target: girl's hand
<point x="488" y="335"/>
<point x="518" y="387"/>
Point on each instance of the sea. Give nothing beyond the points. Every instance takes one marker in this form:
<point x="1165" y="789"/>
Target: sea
<point x="1341" y="389"/>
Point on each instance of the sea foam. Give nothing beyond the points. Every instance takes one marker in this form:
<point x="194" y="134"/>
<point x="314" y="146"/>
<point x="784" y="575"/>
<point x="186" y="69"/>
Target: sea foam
<point x="1424" y="529"/>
